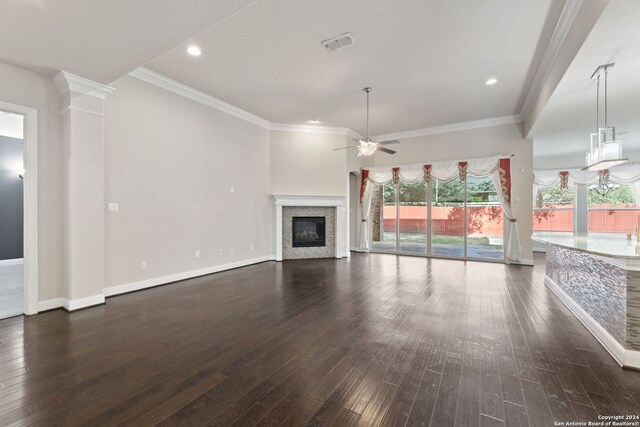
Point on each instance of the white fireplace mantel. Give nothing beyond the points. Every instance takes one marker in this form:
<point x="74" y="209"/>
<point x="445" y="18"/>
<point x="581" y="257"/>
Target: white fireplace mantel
<point x="311" y="201"/>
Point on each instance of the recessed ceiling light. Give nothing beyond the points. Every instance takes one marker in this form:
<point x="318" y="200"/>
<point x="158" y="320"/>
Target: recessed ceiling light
<point x="194" y="51"/>
<point x="313" y="121"/>
<point x="491" y="81"/>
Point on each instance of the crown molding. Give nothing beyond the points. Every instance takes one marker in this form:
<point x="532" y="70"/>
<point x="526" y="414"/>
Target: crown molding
<point x="174" y="86"/>
<point x="284" y="127"/>
<point x="454" y="127"/>
<point x="67" y="82"/>
<point x="565" y="21"/>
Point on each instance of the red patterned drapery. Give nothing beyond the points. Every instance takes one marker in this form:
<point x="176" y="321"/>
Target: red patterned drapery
<point x="504" y="166"/>
<point x="564" y="179"/>
<point x="396" y="175"/>
<point x="427" y="173"/>
<point x="363" y="184"/>
<point x="462" y="170"/>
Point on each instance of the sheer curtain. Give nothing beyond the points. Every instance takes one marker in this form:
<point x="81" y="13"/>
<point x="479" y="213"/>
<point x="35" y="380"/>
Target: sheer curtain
<point x="501" y="177"/>
<point x="635" y="187"/>
<point x="367" y="196"/>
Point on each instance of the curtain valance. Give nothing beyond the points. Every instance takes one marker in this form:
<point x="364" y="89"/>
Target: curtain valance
<point x="444" y="171"/>
<point x="623" y="174"/>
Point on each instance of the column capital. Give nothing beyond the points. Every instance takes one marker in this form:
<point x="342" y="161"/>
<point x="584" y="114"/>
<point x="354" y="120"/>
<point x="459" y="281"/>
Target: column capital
<point x="67" y="82"/>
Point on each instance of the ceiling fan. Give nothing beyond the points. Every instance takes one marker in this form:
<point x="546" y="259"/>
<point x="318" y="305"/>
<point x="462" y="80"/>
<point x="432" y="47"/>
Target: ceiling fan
<point x="367" y="146"/>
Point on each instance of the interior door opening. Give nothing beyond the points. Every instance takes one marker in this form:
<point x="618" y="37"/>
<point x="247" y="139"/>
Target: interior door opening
<point x="12" y="295"/>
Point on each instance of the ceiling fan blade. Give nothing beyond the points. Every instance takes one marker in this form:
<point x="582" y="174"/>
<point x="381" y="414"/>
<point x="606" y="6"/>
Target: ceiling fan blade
<point x="386" y="150"/>
<point x="393" y="141"/>
<point x="345" y="148"/>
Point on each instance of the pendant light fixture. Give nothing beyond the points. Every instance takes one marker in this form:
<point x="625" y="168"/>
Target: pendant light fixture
<point x="605" y="152"/>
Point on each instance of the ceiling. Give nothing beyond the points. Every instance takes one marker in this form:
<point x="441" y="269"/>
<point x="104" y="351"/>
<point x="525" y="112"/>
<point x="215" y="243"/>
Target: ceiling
<point x="98" y="39"/>
<point x="570" y="115"/>
<point x="427" y="61"/>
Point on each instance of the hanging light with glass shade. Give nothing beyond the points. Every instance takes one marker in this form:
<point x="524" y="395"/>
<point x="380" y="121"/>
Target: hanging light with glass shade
<point x="605" y="151"/>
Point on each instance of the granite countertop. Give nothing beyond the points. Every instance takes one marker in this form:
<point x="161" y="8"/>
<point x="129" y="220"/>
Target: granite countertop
<point x="614" y="245"/>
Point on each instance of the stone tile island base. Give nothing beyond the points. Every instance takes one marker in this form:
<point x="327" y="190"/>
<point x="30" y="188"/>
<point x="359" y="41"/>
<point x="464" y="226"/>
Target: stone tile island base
<point x="603" y="292"/>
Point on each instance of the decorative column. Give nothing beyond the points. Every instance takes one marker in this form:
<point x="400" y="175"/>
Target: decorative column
<point x="83" y="141"/>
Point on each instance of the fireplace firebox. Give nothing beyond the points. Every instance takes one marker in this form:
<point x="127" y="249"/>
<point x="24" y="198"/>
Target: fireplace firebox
<point x="308" y="231"/>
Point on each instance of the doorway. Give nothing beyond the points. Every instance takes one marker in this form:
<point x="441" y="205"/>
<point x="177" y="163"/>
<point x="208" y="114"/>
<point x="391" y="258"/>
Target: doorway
<point x="448" y="219"/>
<point x="18" y="210"/>
<point x="11" y="214"/>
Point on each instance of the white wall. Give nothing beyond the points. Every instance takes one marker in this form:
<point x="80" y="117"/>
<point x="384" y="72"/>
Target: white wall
<point x="306" y="164"/>
<point x="476" y="143"/>
<point x="28" y="89"/>
<point x="170" y="163"/>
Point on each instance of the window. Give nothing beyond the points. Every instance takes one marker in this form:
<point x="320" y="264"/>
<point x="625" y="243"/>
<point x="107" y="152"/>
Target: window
<point x="612" y="211"/>
<point x="553" y="209"/>
<point x="466" y="219"/>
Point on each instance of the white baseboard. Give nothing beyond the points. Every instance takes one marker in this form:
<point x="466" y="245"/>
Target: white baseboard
<point x="8" y="262"/>
<point x="77" y="304"/>
<point x="163" y="280"/>
<point x="346" y="254"/>
<point x="632" y="359"/>
<point x="71" y="305"/>
<point x="623" y="356"/>
<point x="50" y="304"/>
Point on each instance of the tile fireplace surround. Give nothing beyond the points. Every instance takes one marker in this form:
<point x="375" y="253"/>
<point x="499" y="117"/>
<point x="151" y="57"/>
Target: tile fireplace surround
<point x="337" y="202"/>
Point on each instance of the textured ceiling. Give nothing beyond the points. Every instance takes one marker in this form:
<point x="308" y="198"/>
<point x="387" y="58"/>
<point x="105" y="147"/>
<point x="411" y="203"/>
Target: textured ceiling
<point x="101" y="39"/>
<point x="570" y="115"/>
<point x="427" y="60"/>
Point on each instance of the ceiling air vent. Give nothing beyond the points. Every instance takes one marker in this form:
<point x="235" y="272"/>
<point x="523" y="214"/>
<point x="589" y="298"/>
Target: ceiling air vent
<point x="339" y="42"/>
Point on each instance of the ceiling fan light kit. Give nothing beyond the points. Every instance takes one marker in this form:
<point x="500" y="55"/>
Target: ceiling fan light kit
<point x="367" y="146"/>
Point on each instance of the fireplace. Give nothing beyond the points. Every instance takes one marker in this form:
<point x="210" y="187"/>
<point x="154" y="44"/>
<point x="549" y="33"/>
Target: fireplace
<point x="328" y="209"/>
<point x="308" y="231"/>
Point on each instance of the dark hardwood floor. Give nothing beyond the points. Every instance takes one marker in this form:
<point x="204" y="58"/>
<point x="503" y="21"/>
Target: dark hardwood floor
<point x="371" y="340"/>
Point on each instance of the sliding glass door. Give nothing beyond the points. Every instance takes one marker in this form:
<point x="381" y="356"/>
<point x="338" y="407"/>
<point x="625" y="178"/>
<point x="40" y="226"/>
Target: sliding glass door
<point x="452" y="219"/>
<point x="384" y="214"/>
<point x="484" y="220"/>
<point x="412" y="214"/>
<point x="448" y="218"/>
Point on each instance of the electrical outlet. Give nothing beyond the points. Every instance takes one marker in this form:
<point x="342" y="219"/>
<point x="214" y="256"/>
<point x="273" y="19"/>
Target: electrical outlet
<point x="232" y="189"/>
<point x="143" y="265"/>
<point x="220" y="252"/>
<point x="251" y="247"/>
<point x="197" y="253"/>
<point x="232" y="251"/>
<point x="112" y="207"/>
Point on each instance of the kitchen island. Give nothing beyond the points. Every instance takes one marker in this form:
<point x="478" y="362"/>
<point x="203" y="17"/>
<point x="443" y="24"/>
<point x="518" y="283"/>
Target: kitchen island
<point x="597" y="276"/>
